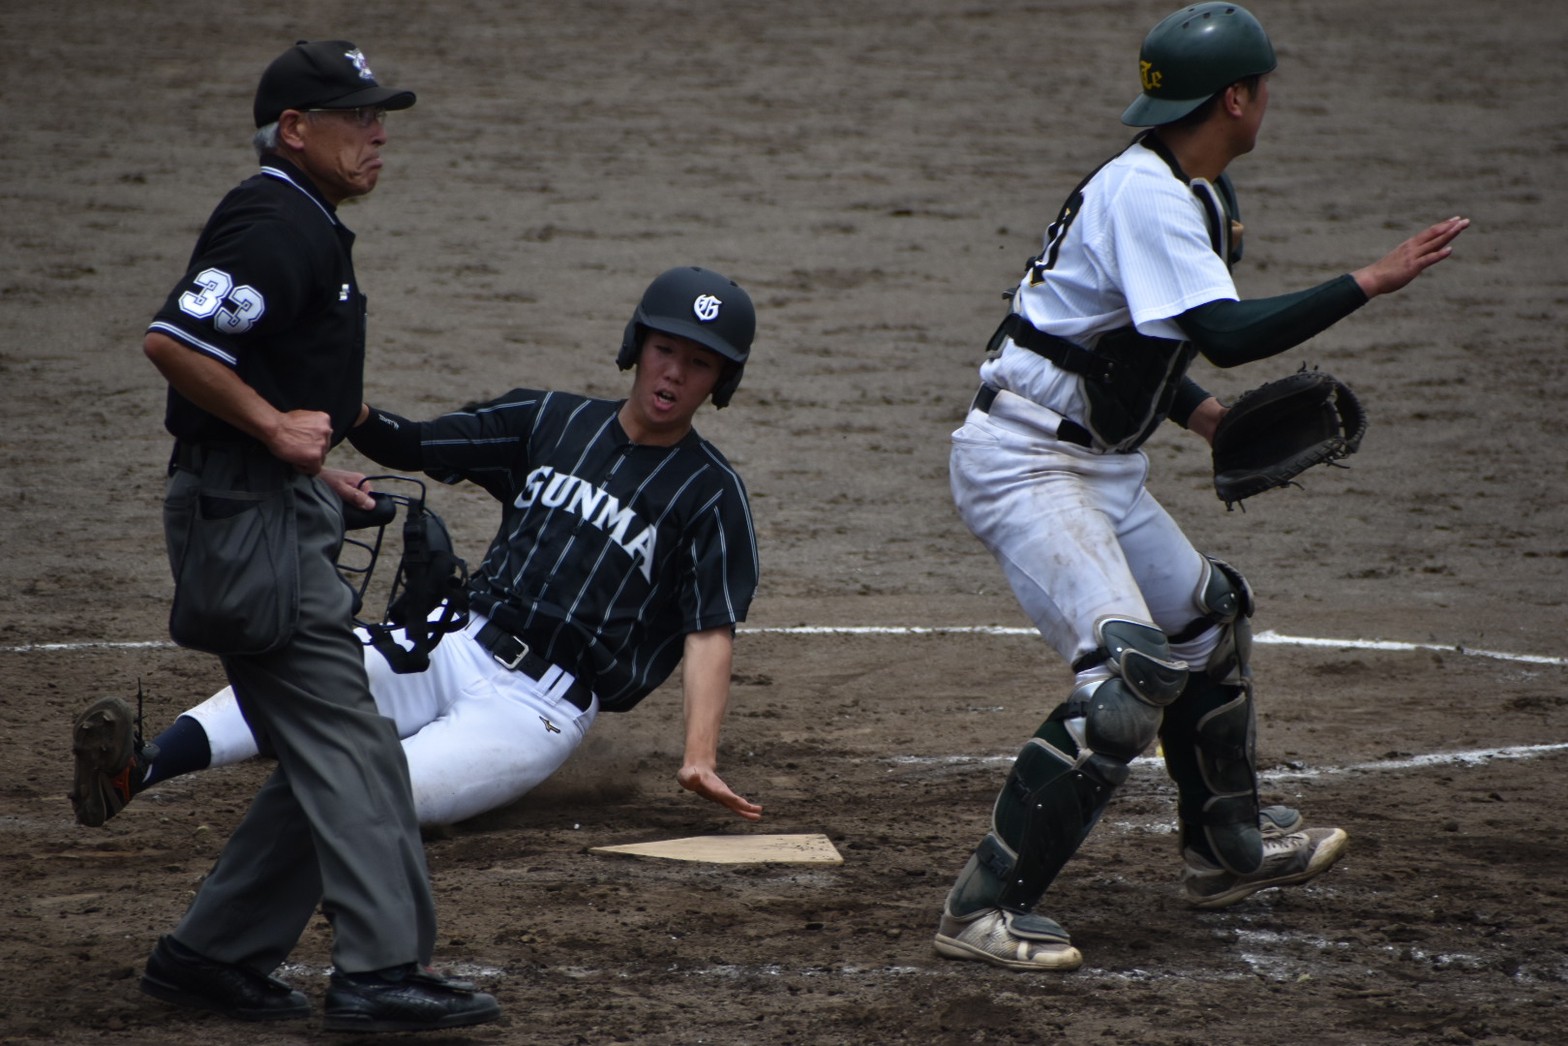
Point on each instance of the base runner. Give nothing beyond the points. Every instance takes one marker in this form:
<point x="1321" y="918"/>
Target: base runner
<point x="625" y="548"/>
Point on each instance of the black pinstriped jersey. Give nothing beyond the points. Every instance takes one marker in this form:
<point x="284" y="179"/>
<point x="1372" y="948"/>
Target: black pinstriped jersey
<point x="608" y="552"/>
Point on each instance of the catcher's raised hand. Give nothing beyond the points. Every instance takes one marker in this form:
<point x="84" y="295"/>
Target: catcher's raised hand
<point x="1410" y="259"/>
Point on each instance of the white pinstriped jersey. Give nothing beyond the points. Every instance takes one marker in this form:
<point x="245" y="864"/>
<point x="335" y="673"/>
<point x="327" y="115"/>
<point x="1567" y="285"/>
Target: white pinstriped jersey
<point x="608" y="552"/>
<point x="1135" y="251"/>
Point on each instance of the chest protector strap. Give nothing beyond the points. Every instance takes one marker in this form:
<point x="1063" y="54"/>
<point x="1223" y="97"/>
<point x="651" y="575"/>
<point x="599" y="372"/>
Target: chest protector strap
<point x="1070" y="357"/>
<point x="1130" y="379"/>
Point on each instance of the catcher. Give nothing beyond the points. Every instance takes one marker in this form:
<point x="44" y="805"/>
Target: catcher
<point x="1132" y="283"/>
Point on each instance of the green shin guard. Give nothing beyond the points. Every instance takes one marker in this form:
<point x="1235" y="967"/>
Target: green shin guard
<point x="1044" y="811"/>
<point x="1208" y="740"/>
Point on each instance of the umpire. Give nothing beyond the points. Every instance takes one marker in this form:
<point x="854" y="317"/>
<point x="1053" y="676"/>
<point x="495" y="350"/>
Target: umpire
<point x="263" y="345"/>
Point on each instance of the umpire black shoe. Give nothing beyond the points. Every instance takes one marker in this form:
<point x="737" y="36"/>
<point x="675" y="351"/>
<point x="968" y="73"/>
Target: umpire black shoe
<point x="178" y="975"/>
<point x="404" y="998"/>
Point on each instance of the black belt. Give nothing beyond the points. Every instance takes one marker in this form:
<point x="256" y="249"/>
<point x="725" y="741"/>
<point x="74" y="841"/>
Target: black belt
<point x="183" y="456"/>
<point x="1067" y="430"/>
<point x="515" y="654"/>
<point x="192" y="455"/>
<point x="188" y="456"/>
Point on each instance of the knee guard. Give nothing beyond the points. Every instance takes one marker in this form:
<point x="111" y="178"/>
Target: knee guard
<point x="1121" y="715"/>
<point x="1140" y="656"/>
<point x="1056" y="790"/>
<point x="1209" y="733"/>
<point x="1226" y="601"/>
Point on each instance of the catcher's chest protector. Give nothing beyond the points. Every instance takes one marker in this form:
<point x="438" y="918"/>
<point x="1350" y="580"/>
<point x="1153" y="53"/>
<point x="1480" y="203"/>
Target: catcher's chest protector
<point x="1142" y="374"/>
<point x="1126" y="408"/>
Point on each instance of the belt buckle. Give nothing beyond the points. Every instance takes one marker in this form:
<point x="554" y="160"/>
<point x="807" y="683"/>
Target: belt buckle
<point x="522" y="652"/>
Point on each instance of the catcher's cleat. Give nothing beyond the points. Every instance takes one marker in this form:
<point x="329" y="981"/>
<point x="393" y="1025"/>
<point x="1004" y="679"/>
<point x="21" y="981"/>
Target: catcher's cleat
<point x="111" y="760"/>
<point x="1287" y="861"/>
<point x="1013" y="940"/>
<point x="1275" y="821"/>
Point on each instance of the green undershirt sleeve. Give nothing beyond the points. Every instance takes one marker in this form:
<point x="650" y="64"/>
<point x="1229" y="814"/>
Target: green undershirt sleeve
<point x="1188" y="395"/>
<point x="1230" y="333"/>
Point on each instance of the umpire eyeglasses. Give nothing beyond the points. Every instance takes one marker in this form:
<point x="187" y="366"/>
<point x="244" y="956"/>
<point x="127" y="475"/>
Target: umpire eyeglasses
<point x="363" y="117"/>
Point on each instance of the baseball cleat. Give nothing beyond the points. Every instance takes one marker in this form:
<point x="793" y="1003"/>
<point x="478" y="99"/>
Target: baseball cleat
<point x="1013" y="940"/>
<point x="111" y="760"/>
<point x="1275" y="821"/>
<point x="1288" y="860"/>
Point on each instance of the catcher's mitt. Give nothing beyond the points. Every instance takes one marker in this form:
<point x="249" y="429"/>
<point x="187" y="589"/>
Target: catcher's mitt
<point x="1277" y="431"/>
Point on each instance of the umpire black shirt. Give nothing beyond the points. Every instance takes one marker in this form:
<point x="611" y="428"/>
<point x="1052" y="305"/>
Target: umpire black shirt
<point x="270" y="292"/>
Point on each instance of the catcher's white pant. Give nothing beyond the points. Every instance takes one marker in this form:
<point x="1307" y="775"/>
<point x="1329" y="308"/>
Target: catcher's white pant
<point x="1076" y="533"/>
<point x="476" y="734"/>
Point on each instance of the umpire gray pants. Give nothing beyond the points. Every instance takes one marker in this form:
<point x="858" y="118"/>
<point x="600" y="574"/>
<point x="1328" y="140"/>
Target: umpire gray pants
<point x="334" y="825"/>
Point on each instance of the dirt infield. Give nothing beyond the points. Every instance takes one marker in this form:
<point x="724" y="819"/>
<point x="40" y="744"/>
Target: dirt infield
<point x="875" y="173"/>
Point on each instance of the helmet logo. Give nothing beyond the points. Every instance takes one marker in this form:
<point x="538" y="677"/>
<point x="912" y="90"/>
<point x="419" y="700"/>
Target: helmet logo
<point x="357" y="58"/>
<point x="706" y="308"/>
<point x="1151" y="76"/>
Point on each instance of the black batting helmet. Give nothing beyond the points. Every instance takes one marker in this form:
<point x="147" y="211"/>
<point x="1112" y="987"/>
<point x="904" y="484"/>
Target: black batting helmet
<point x="712" y="310"/>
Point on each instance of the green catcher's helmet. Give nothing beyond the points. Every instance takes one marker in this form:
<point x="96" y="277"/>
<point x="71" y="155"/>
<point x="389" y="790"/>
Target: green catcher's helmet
<point x="1193" y="55"/>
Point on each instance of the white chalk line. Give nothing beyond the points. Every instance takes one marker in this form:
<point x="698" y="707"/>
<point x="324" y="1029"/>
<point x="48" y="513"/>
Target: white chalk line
<point x="488" y="976"/>
<point x="1268" y="954"/>
<point x="91" y="644"/>
<point x="1473" y="757"/>
<point x="1265" y="638"/>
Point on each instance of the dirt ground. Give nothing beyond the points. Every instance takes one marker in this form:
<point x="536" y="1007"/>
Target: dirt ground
<point x="875" y="173"/>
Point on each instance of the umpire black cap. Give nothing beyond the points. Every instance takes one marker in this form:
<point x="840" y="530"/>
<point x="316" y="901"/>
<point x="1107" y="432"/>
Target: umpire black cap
<point x="323" y="74"/>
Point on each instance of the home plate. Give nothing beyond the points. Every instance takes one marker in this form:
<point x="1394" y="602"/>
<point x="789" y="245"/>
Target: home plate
<point x="735" y="849"/>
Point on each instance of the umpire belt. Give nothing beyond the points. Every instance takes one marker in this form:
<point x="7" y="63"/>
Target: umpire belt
<point x="192" y="456"/>
<point x="511" y="652"/>
<point x="1067" y="430"/>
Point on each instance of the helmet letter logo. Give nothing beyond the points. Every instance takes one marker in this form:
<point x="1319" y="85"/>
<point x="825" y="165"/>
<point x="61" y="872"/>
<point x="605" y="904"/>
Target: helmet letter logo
<point x="1151" y="76"/>
<point x="706" y="308"/>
